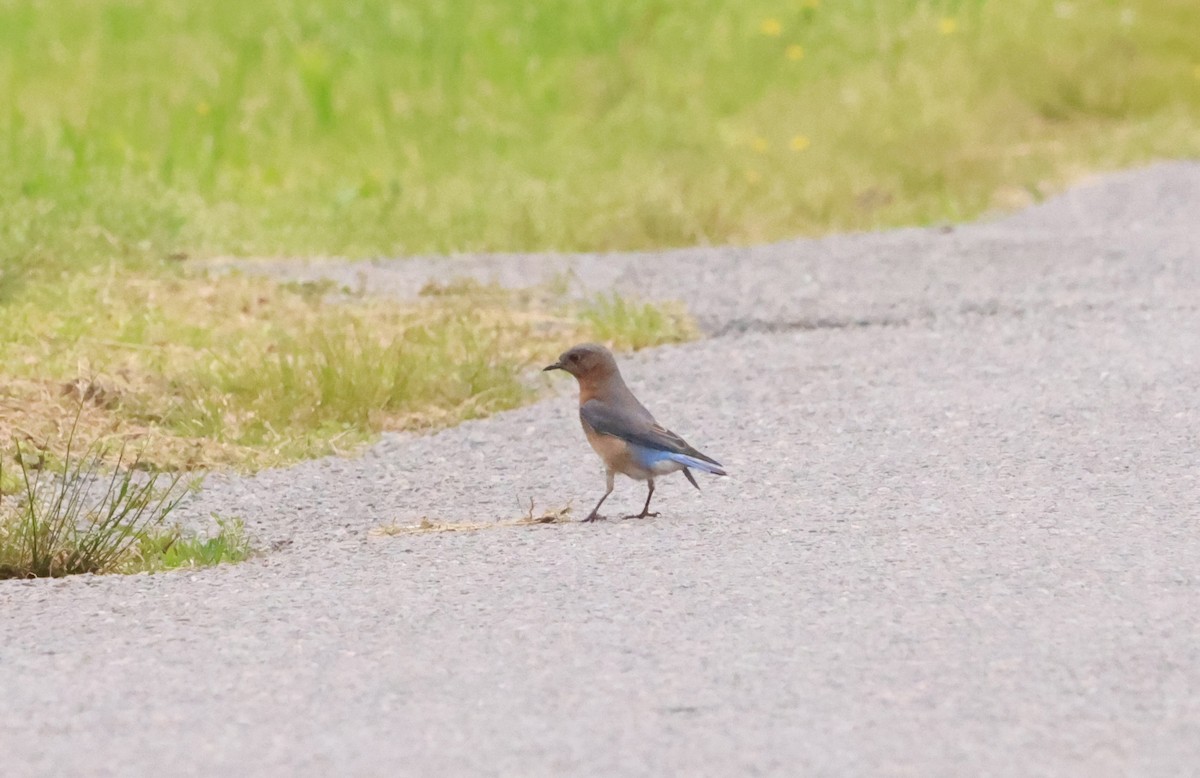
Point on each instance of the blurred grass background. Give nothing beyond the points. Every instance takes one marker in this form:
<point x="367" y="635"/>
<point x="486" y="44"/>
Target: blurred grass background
<point x="139" y="129"/>
<point x="137" y="135"/>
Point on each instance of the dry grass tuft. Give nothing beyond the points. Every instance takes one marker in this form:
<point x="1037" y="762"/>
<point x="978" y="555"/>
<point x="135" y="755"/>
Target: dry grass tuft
<point x="560" y="515"/>
<point x="39" y="414"/>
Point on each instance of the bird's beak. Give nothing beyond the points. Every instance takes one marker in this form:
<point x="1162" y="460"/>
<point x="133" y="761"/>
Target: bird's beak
<point x="555" y="366"/>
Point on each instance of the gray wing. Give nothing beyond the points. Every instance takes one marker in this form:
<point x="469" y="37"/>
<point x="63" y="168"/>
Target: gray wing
<point x="635" y="428"/>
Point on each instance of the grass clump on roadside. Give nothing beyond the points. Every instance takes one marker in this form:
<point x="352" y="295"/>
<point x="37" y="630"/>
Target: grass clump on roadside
<point x="85" y="513"/>
<point x="612" y="318"/>
<point x="174" y="548"/>
<point x="235" y="370"/>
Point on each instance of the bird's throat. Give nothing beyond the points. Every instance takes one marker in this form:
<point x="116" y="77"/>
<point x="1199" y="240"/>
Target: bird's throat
<point x="610" y="386"/>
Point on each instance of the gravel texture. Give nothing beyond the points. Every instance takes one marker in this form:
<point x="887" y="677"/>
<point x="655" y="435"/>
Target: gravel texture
<point x="959" y="537"/>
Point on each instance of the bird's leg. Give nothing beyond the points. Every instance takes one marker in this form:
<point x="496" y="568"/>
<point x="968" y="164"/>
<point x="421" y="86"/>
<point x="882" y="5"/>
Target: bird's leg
<point x="594" y="515"/>
<point x="645" y="508"/>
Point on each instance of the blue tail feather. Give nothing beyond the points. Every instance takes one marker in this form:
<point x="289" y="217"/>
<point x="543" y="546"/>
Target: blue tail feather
<point x="699" y="464"/>
<point x="647" y="457"/>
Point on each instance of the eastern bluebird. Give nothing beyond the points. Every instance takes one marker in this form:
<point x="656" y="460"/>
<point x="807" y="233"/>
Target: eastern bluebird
<point x="621" y="430"/>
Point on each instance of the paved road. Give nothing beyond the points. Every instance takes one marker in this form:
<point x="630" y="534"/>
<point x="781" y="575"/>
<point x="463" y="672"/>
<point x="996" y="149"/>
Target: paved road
<point x="961" y="536"/>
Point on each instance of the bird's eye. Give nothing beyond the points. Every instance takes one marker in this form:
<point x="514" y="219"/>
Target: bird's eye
<point x="573" y="358"/>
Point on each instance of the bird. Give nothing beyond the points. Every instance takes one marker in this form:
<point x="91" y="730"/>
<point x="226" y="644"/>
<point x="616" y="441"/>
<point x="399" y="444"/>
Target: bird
<point x="622" y="431"/>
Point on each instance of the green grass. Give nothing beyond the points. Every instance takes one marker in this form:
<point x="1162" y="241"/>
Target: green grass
<point x="636" y="325"/>
<point x="242" y="371"/>
<point x="77" y="515"/>
<point x="173" y="548"/>
<point x="139" y="129"/>
<point x="137" y="135"/>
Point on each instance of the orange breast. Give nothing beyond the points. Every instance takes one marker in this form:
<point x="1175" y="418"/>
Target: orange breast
<point x="614" y="452"/>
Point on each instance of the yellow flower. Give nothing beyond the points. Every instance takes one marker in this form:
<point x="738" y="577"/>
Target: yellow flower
<point x="794" y="52"/>
<point x="760" y="145"/>
<point x="947" y="26"/>
<point x="203" y="108"/>
<point x="800" y="143"/>
<point x="771" y="27"/>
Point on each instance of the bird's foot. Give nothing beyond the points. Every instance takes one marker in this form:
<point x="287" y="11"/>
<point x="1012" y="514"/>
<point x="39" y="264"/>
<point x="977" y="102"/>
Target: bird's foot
<point x="642" y="515"/>
<point x="593" y="516"/>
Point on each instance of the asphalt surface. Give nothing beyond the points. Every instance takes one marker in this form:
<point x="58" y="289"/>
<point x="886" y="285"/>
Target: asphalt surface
<point x="961" y="535"/>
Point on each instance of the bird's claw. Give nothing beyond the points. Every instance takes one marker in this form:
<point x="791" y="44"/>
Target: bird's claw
<point x="594" y="517"/>
<point x="642" y="515"/>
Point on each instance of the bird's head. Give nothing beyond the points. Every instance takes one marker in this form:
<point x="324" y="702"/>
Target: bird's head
<point x="588" y="361"/>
